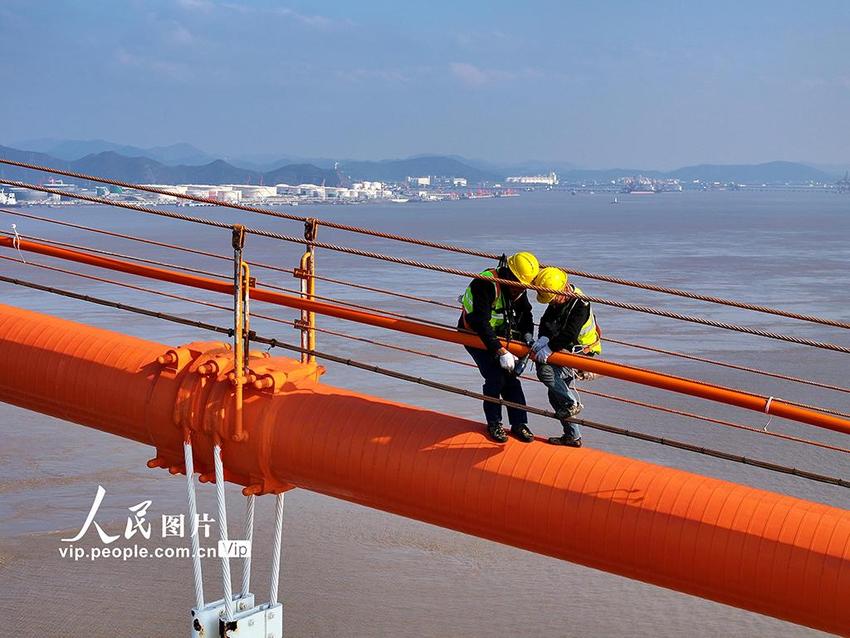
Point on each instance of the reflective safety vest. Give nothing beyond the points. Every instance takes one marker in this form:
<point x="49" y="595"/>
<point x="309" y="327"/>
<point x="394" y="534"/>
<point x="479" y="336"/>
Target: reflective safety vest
<point x="589" y="336"/>
<point x="498" y="311"/>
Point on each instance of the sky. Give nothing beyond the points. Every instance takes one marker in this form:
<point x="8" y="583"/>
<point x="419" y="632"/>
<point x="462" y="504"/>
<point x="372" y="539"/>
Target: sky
<point x="598" y="84"/>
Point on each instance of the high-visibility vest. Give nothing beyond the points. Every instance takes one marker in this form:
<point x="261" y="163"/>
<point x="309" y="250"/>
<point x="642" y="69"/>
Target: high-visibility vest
<point x="498" y="311"/>
<point x="589" y="336"/>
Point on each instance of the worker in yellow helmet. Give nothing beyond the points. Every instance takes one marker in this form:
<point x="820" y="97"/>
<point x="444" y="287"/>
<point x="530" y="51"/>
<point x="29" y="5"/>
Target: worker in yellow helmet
<point x="492" y="310"/>
<point x="568" y="324"/>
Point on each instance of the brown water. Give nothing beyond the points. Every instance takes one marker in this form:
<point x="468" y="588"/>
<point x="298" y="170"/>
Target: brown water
<point x="351" y="571"/>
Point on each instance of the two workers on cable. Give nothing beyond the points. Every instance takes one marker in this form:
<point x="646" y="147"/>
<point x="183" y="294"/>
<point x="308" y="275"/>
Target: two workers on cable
<point x="492" y="310"/>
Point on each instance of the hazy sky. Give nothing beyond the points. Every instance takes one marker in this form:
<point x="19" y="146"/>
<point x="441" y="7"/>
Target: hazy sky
<point x="648" y="84"/>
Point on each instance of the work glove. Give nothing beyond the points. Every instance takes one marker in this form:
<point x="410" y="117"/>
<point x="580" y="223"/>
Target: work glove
<point x="583" y="375"/>
<point x="541" y="343"/>
<point x="528" y="338"/>
<point x="543" y="354"/>
<point x="507" y="361"/>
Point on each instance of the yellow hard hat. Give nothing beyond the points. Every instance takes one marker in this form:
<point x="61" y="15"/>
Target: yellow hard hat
<point x="550" y="277"/>
<point x="524" y="266"/>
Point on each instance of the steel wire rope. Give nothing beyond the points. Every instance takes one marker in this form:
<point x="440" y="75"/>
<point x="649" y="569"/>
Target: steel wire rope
<point x="100" y="251"/>
<point x="224" y="277"/>
<point x="373" y="342"/>
<point x="454" y="271"/>
<point x="377" y="320"/>
<point x="596" y="393"/>
<point x="776" y="375"/>
<point x="724" y="364"/>
<point x="395" y="347"/>
<point x="272" y="342"/>
<point x="205" y="253"/>
<point x="432" y="244"/>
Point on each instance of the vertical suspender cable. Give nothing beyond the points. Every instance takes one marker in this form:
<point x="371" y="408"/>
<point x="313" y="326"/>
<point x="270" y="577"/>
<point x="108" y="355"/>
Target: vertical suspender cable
<point x="278" y="533"/>
<point x="193" y="518"/>
<point x="249" y="536"/>
<point x="222" y="526"/>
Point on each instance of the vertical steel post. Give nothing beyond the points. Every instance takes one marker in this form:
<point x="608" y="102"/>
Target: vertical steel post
<point x="240" y="332"/>
<point x="305" y="272"/>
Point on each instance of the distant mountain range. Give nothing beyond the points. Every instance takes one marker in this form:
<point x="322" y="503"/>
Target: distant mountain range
<point x="184" y="163"/>
<point x="143" y="170"/>
<point x="70" y="150"/>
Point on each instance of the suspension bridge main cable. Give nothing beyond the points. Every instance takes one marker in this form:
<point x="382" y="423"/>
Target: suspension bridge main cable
<point x="453" y="271"/>
<point x="429" y="244"/>
<point x="272" y="342"/>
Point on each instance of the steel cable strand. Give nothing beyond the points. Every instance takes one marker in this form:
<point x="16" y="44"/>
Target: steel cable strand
<point x="220" y="276"/>
<point x="446" y="359"/>
<point x="687" y="386"/>
<point x="204" y="253"/>
<point x="454" y="271"/>
<point x="590" y="424"/>
<point x="548" y="413"/>
<point x="724" y="364"/>
<point x="438" y="245"/>
<point x="109" y="253"/>
<point x="603" y="395"/>
<point x="291" y="271"/>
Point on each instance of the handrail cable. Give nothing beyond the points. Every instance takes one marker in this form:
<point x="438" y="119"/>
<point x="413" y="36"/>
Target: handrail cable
<point x="398" y="348"/>
<point x="110" y="253"/>
<point x="432" y="244"/>
<point x="711" y="391"/>
<point x="724" y="364"/>
<point x="452" y="271"/>
<point x="272" y="342"/>
<point x="608" y="338"/>
<point x="217" y="275"/>
<point x="206" y="253"/>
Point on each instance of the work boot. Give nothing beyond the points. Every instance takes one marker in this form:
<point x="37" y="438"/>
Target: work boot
<point x="522" y="432"/>
<point x="497" y="432"/>
<point x="565" y="440"/>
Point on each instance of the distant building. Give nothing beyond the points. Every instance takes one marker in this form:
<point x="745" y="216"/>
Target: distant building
<point x="251" y="191"/>
<point x="540" y="180"/>
<point x="419" y="181"/>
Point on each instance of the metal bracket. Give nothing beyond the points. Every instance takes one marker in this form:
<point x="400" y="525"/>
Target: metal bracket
<point x="238" y="237"/>
<point x="311" y="229"/>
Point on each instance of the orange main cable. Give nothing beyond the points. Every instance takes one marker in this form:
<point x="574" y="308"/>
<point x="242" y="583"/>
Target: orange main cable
<point x="746" y="400"/>
<point x="758" y="550"/>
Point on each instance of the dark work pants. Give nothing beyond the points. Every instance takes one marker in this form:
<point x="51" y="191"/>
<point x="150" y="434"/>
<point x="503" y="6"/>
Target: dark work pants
<point x="498" y="383"/>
